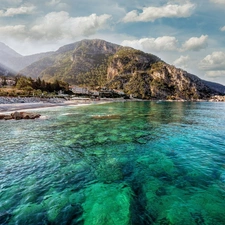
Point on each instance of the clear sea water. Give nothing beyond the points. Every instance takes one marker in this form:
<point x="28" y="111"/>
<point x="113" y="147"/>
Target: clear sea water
<point x="115" y="164"/>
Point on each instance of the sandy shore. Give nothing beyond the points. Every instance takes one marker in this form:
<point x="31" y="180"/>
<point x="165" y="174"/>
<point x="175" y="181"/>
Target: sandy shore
<point x="8" y="108"/>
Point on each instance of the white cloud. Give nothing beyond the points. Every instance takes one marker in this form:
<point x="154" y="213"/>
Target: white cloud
<point x="23" y="10"/>
<point x="59" y="25"/>
<point x="15" y="31"/>
<point x="165" y="43"/>
<point x="57" y="4"/>
<point x="12" y="1"/>
<point x="53" y="2"/>
<point x="153" y="13"/>
<point x="196" y="43"/>
<point x="215" y="61"/>
<point x="222" y="2"/>
<point x="182" y="62"/>
<point x="222" y="28"/>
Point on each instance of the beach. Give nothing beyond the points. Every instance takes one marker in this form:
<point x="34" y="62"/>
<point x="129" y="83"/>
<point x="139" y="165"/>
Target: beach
<point x="10" y="105"/>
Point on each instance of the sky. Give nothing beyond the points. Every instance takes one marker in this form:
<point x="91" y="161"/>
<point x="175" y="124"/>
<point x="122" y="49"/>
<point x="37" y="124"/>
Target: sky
<point x="186" y="33"/>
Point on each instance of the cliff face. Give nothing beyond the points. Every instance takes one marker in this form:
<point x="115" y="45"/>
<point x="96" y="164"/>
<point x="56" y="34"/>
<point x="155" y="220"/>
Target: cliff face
<point x="94" y="63"/>
<point x="127" y="60"/>
<point x="146" y="76"/>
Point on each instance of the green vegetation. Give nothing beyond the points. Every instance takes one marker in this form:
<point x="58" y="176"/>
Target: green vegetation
<point x="133" y="60"/>
<point x="24" y="86"/>
<point x="157" y="66"/>
<point x="93" y="78"/>
<point x="139" y="86"/>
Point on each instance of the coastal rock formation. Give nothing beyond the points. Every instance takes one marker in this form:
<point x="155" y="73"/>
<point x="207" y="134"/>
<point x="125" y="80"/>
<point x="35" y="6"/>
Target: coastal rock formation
<point x="20" y="116"/>
<point x="217" y="98"/>
<point x="146" y="76"/>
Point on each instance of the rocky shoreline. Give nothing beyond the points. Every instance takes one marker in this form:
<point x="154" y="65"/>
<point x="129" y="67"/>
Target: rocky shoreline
<point x="13" y="100"/>
<point x="217" y="98"/>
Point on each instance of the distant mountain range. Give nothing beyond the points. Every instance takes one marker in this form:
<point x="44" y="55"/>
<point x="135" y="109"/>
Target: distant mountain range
<point x="16" y="62"/>
<point x="97" y="63"/>
<point x="4" y="71"/>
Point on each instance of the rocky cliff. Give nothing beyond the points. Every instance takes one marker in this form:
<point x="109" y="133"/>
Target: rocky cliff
<point x="146" y="76"/>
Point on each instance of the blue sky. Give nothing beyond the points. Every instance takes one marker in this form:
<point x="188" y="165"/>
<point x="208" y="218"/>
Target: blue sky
<point x="188" y="34"/>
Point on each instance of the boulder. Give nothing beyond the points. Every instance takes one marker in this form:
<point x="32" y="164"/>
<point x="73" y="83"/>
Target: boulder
<point x="16" y="116"/>
<point x="20" y="116"/>
<point x="2" y="116"/>
<point x="26" y="115"/>
<point x="8" y="117"/>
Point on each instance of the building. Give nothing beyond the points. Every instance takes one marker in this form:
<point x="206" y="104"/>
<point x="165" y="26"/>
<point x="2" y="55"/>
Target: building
<point x="79" y="90"/>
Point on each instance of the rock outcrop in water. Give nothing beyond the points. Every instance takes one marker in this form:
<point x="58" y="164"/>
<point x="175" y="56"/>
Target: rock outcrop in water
<point x="20" y="116"/>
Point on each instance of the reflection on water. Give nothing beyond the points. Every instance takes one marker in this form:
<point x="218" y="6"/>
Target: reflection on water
<point x="120" y="163"/>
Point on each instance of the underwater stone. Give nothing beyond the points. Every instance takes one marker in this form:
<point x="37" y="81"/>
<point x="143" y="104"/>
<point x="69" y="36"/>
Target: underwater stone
<point x="4" y="217"/>
<point x="31" y="213"/>
<point x="107" y="204"/>
<point x="55" y="204"/>
<point x="179" y="214"/>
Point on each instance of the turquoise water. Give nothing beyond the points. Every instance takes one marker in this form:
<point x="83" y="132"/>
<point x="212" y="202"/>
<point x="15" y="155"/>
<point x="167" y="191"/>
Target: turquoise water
<point x="115" y="164"/>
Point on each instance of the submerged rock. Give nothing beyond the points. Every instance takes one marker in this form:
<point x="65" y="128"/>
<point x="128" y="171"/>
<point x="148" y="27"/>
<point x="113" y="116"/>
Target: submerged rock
<point x="4" y="217"/>
<point x="103" y="117"/>
<point x="107" y="204"/>
<point x="31" y="213"/>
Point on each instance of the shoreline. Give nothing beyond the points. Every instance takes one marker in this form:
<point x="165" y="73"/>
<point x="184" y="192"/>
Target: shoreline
<point x="12" y="107"/>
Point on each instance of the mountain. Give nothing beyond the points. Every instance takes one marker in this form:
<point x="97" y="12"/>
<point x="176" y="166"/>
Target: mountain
<point x="94" y="63"/>
<point x="71" y="62"/>
<point x="215" y="86"/>
<point x="7" y="51"/>
<point x="4" y="71"/>
<point x="16" y="62"/>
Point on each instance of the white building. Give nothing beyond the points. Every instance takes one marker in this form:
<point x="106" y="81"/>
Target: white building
<point x="79" y="90"/>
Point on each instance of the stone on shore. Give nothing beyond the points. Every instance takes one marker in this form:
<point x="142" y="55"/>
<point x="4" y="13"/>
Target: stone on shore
<point x="2" y="117"/>
<point x="8" y="117"/>
<point x="16" y="116"/>
<point x="26" y="115"/>
<point x="20" y="116"/>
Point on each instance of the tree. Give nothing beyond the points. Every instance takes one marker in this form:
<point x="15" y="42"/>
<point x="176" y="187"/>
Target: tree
<point x="24" y="83"/>
<point x="4" y="83"/>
